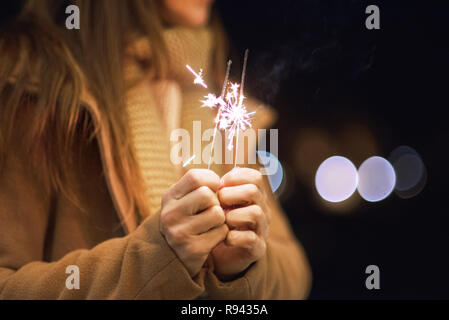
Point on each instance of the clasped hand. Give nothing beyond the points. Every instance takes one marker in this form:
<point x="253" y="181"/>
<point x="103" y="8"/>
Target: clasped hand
<point x="225" y="218"/>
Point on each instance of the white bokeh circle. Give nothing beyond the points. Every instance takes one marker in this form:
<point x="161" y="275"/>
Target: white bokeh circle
<point x="336" y="179"/>
<point x="377" y="179"/>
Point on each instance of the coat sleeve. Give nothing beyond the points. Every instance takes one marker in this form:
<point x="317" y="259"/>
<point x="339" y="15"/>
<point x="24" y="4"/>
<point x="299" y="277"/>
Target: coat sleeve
<point x="138" y="266"/>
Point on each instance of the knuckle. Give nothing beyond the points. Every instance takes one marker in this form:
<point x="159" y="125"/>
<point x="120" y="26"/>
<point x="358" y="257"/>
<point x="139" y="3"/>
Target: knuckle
<point x="256" y="212"/>
<point x="252" y="238"/>
<point x="224" y="231"/>
<point x="229" y="217"/>
<point x="219" y="214"/>
<point x="206" y="193"/>
<point x="221" y="194"/>
<point x="165" y="219"/>
<point x="252" y="191"/>
<point x="214" y="176"/>
<point x="257" y="252"/>
<point x="168" y="217"/>
<point x="250" y="244"/>
<point x="226" y="228"/>
<point x="232" y="175"/>
<point x="177" y="235"/>
<point x="230" y="238"/>
<point x="194" y="177"/>
<point x="258" y="178"/>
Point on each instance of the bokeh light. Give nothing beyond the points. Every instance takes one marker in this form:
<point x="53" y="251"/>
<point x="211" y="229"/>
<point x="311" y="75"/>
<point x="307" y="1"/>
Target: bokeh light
<point x="336" y="179"/>
<point x="411" y="173"/>
<point x="377" y="179"/>
<point x="276" y="178"/>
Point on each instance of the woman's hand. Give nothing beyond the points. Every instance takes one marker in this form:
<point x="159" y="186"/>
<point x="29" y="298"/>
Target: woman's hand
<point x="243" y="197"/>
<point x="192" y="219"/>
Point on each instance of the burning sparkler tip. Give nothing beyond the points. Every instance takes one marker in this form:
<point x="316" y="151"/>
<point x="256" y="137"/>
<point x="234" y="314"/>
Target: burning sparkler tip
<point x="232" y="114"/>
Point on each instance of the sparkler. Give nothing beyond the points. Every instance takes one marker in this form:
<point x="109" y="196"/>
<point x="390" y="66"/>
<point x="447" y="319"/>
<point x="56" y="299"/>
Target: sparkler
<point x="232" y="114"/>
<point x="239" y="118"/>
<point x="199" y="76"/>
<point x="213" y="101"/>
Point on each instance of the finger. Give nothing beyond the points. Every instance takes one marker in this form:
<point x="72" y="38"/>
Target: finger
<point x="207" y="220"/>
<point x="247" y="240"/>
<point x="251" y="217"/>
<point x="194" y="179"/>
<point x="211" y="238"/>
<point x="240" y="195"/>
<point x="239" y="176"/>
<point x="198" y="200"/>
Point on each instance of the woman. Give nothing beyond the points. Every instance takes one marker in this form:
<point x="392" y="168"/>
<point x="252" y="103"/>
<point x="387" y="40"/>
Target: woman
<point x="86" y="178"/>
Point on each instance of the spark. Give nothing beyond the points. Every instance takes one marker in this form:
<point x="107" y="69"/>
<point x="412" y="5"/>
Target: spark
<point x="234" y="120"/>
<point x="232" y="115"/>
<point x="185" y="164"/>
<point x="199" y="76"/>
<point x="212" y="101"/>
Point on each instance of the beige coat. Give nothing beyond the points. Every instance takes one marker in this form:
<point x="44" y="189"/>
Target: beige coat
<point x="42" y="233"/>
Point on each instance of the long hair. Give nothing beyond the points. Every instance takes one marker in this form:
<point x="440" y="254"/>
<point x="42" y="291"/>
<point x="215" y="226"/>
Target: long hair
<point x="58" y="63"/>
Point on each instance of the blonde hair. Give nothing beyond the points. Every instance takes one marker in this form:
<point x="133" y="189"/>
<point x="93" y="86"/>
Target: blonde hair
<point x="44" y="68"/>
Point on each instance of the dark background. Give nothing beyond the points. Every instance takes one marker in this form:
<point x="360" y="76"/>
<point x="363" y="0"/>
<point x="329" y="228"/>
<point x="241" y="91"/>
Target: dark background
<point x="368" y="92"/>
<point x="320" y="68"/>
